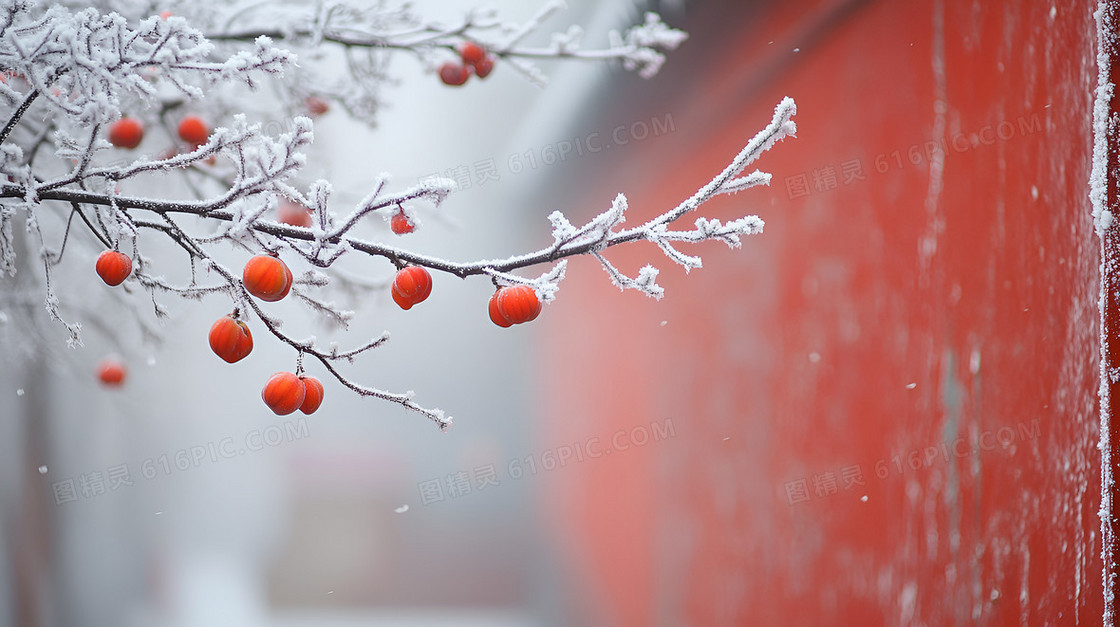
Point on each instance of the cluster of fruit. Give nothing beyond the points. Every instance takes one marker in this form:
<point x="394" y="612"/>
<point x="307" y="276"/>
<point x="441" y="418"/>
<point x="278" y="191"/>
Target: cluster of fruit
<point x="128" y="132"/>
<point x="269" y="279"/>
<point x="473" y="59"/>
<point x="286" y="392"/>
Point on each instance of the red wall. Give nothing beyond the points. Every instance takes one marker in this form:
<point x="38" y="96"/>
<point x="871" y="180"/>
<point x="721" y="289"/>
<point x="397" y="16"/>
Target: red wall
<point x="933" y="326"/>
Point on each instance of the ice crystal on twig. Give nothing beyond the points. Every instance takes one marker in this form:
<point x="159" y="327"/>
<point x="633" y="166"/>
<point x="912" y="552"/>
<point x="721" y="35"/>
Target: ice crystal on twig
<point x="70" y="71"/>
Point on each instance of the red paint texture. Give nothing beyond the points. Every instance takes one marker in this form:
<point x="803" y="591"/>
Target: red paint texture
<point x="931" y="326"/>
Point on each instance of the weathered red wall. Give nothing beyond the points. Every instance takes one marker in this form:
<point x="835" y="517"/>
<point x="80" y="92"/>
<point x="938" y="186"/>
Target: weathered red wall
<point x="932" y="326"/>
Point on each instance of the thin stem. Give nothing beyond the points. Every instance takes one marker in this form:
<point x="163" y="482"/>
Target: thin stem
<point x="7" y="130"/>
<point x="76" y="208"/>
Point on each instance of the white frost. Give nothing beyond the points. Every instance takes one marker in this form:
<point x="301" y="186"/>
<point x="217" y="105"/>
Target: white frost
<point x="1098" y="178"/>
<point x="1102" y="219"/>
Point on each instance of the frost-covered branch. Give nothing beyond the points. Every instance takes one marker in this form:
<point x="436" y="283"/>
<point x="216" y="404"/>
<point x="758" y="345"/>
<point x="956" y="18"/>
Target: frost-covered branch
<point x="236" y="289"/>
<point x="640" y="48"/>
<point x="593" y="237"/>
<point x="87" y="95"/>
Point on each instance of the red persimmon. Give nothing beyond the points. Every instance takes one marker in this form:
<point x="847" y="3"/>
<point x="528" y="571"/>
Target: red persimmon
<point x="230" y="339"/>
<point x="454" y="74"/>
<point x="126" y="133"/>
<point x="401" y="224"/>
<point x="193" y="130"/>
<point x="518" y="304"/>
<point x="111" y="372"/>
<point x="484" y="67"/>
<point x="316" y="106"/>
<point x="313" y="396"/>
<point x="113" y="267"/>
<point x="284" y="393"/>
<point x="471" y="53"/>
<point x="267" y="277"/>
<point x="495" y="315"/>
<point x="294" y="214"/>
<point x="412" y="285"/>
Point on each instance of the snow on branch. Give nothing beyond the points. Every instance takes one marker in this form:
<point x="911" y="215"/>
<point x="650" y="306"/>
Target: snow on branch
<point x="640" y="48"/>
<point x="593" y="237"/>
<point x="68" y="72"/>
<point x="644" y="45"/>
<point x="599" y="233"/>
<point x="84" y="62"/>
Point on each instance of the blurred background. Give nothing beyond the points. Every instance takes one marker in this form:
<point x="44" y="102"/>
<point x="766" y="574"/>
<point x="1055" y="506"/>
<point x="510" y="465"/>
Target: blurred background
<point x="881" y="411"/>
